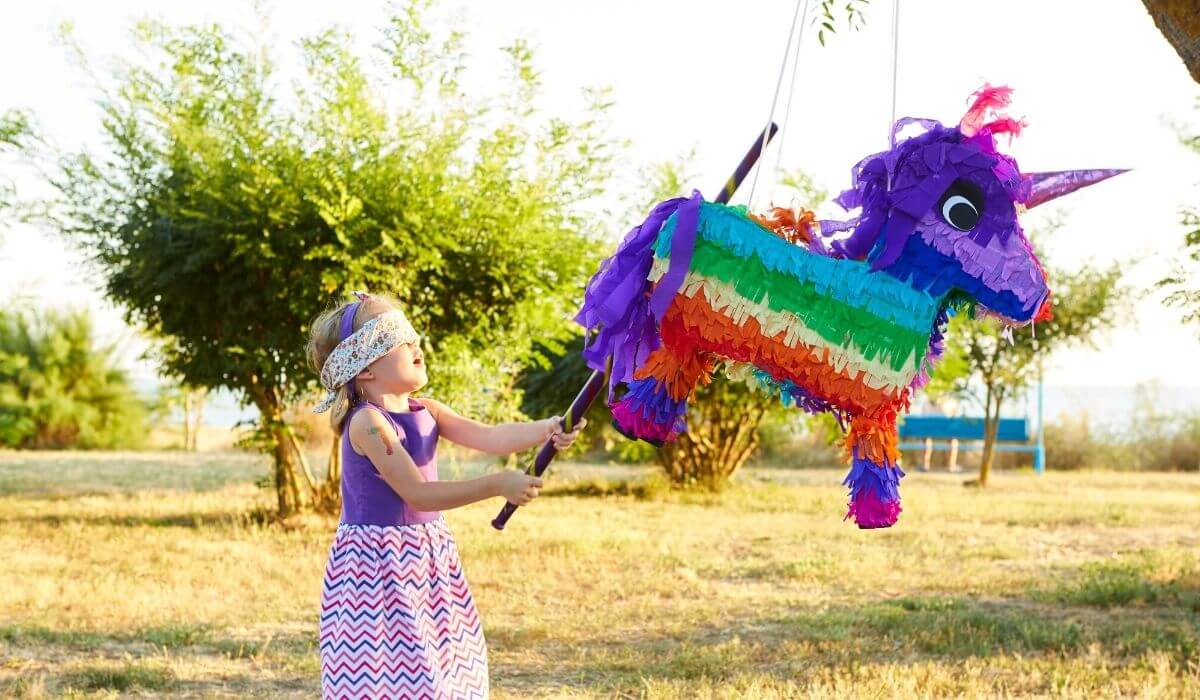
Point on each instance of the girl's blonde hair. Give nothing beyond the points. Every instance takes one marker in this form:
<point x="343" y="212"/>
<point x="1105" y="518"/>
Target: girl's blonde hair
<point x="324" y="337"/>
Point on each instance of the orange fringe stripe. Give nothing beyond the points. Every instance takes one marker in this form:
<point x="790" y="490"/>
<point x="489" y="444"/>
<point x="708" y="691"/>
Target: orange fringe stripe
<point x="691" y="326"/>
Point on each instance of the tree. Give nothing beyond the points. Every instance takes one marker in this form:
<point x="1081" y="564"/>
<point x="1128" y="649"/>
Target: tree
<point x="190" y="401"/>
<point x="193" y="415"/>
<point x="60" y="389"/>
<point x="225" y="217"/>
<point x="16" y="136"/>
<point x="723" y="422"/>
<point x="1184" y="289"/>
<point x="1183" y="284"/>
<point x="826" y="12"/>
<point x="1179" y="23"/>
<point x="982" y="365"/>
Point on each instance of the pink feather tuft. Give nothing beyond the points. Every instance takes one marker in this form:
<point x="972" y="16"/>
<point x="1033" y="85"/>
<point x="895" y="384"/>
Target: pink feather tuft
<point x="1005" y="125"/>
<point x="987" y="98"/>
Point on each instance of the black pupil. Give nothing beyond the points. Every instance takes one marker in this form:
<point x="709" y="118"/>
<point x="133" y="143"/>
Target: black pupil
<point x="963" y="215"/>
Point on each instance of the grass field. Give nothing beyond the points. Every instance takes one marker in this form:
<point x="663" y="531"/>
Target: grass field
<point x="127" y="575"/>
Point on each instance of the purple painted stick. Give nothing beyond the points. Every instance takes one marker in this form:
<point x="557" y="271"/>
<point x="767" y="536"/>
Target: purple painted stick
<point x="591" y="389"/>
<point x="743" y="168"/>
<point x="583" y="401"/>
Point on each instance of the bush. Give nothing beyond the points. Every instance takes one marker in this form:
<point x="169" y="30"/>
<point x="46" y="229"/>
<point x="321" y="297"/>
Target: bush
<point x="1070" y="443"/>
<point x="794" y="439"/>
<point x="1153" y="442"/>
<point x="59" y="389"/>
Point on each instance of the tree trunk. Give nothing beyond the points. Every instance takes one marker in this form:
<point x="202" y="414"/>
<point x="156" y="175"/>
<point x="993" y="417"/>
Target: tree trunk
<point x="329" y="494"/>
<point x="198" y="420"/>
<point x="287" y="486"/>
<point x="991" y="425"/>
<point x="1179" y="22"/>
<point x="720" y="438"/>
<point x="187" y="419"/>
<point x="291" y="497"/>
<point x="301" y="459"/>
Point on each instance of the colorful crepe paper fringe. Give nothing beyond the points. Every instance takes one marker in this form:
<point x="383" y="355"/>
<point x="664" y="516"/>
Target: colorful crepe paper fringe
<point x="852" y="326"/>
<point x="647" y="411"/>
<point x="874" y="493"/>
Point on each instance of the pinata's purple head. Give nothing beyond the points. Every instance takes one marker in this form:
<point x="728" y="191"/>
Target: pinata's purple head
<point x="940" y="211"/>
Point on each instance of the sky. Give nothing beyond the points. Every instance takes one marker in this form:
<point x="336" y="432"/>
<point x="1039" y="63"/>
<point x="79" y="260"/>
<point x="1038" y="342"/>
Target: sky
<point x="1096" y="82"/>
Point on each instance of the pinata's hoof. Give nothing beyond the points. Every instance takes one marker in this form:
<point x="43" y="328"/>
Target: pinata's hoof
<point x="874" y="494"/>
<point x="647" y="412"/>
<point x="630" y="434"/>
<point x="870" y="513"/>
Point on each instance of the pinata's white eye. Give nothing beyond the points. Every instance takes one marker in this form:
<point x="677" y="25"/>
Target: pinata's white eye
<point x="961" y="205"/>
<point x="958" y="211"/>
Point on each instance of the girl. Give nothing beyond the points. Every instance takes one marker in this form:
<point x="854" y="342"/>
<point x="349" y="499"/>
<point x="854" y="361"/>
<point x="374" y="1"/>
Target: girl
<point x="397" y="617"/>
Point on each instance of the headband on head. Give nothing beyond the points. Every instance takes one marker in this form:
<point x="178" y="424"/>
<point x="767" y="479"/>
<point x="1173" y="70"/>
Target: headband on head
<point x="358" y="349"/>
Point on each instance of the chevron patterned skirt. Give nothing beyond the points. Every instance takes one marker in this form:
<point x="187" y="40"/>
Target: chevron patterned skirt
<point x="397" y="617"/>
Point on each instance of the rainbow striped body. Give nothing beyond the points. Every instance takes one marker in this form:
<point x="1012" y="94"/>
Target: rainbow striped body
<point x="852" y="327"/>
<point x="822" y="332"/>
<point x="845" y="324"/>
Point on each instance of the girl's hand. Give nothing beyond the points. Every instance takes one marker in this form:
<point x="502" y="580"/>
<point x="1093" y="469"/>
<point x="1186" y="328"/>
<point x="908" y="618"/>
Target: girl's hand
<point x="519" y="488"/>
<point x="555" y="432"/>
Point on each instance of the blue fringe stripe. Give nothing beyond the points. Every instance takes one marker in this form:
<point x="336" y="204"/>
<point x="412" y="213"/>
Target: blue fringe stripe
<point x="883" y="481"/>
<point x="654" y="403"/>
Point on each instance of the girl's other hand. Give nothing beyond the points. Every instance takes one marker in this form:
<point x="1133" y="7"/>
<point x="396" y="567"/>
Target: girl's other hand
<point x="519" y="488"/>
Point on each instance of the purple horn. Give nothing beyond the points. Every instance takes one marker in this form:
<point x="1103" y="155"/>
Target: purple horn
<point x="1047" y="186"/>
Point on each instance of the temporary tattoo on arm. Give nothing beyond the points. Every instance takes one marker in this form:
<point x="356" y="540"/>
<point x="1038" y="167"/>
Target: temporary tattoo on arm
<point x="382" y="436"/>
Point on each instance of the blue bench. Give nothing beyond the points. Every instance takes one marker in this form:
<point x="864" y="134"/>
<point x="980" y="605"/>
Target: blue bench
<point x="954" y="430"/>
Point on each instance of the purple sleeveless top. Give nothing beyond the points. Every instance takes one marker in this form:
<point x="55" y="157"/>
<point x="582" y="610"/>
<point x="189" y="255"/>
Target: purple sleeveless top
<point x="366" y="498"/>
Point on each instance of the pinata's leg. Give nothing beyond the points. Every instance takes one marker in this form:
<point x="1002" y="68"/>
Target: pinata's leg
<point x="655" y="404"/>
<point x="874" y="478"/>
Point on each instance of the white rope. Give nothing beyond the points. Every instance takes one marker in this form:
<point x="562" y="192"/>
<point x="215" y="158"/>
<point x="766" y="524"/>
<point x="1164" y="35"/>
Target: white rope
<point x="787" y="111"/>
<point x="774" y="99"/>
<point x="895" y="57"/>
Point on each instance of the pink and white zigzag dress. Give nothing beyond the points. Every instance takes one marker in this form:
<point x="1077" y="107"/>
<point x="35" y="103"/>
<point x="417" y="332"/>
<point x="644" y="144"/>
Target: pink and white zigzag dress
<point x="397" y="617"/>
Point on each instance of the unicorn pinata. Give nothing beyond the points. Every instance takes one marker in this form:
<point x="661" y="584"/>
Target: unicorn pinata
<point x="839" y="316"/>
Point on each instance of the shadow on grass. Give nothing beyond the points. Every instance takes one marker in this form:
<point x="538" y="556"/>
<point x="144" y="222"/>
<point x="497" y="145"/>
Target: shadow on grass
<point x="656" y="487"/>
<point x="603" y="488"/>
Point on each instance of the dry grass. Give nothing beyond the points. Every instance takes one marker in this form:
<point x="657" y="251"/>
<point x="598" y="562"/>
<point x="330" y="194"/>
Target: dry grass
<point x="152" y="575"/>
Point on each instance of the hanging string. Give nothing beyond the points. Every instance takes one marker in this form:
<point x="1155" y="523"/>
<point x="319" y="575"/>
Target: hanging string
<point x="895" y="57"/>
<point x="774" y="99"/>
<point x="787" y="109"/>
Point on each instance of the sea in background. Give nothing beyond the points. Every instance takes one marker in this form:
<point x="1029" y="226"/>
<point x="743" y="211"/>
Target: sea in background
<point x="1106" y="407"/>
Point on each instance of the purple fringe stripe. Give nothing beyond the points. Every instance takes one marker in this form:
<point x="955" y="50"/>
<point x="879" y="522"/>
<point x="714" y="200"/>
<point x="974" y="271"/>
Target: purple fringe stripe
<point x="615" y="304"/>
<point x="874" y="494"/>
